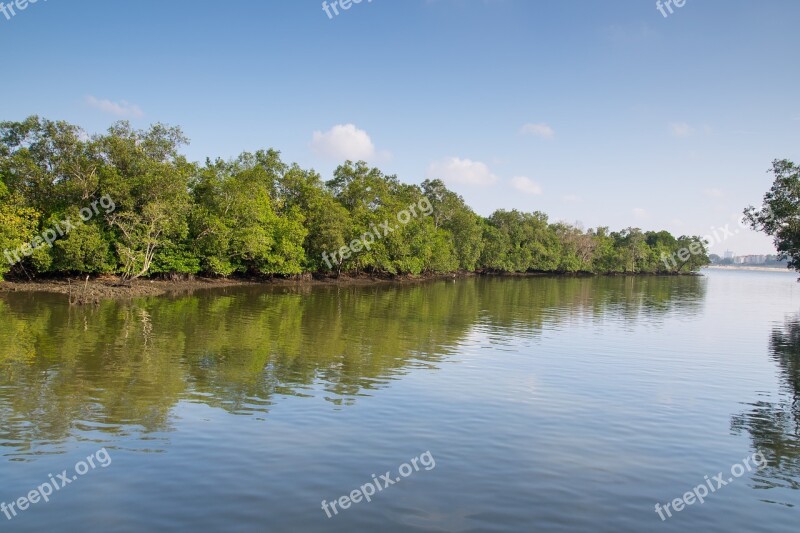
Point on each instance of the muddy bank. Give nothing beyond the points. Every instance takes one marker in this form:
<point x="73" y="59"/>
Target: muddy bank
<point x="81" y="291"/>
<point x="94" y="290"/>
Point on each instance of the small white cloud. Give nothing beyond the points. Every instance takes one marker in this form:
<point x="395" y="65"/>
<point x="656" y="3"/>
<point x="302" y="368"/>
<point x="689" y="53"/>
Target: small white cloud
<point x="681" y="129"/>
<point x="640" y="213"/>
<point x="121" y="109"/>
<point x="540" y="130"/>
<point x="714" y="193"/>
<point x="526" y="185"/>
<point x="571" y="198"/>
<point x="344" y="141"/>
<point x="461" y="171"/>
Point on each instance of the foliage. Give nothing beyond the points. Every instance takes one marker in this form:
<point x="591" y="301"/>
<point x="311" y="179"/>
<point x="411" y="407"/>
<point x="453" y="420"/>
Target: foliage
<point x="779" y="216"/>
<point x="256" y="215"/>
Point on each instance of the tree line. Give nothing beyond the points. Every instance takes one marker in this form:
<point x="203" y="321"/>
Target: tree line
<point x="256" y="215"/>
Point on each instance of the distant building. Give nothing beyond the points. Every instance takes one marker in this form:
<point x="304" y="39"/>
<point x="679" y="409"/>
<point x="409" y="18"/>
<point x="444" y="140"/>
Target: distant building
<point x="728" y="255"/>
<point x="750" y="259"/>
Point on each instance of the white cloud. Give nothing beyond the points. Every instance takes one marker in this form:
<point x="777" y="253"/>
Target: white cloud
<point x="714" y="193"/>
<point x="121" y="109"/>
<point x="572" y="198"/>
<point x="344" y="141"/>
<point x="540" y="130"/>
<point x="681" y="129"/>
<point x="461" y="171"/>
<point x="526" y="185"/>
<point x="640" y="213"/>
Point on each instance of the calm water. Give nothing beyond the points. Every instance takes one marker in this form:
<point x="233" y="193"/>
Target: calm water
<point x="547" y="404"/>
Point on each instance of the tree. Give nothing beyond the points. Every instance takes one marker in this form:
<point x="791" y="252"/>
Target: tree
<point x="327" y="221"/>
<point x="697" y="251"/>
<point x="86" y="249"/>
<point x="149" y="182"/>
<point x="452" y="214"/>
<point x="532" y="244"/>
<point x="236" y="224"/>
<point x="577" y="248"/>
<point x="17" y="228"/>
<point x="779" y="215"/>
<point x="52" y="165"/>
<point x="255" y="214"/>
<point x="634" y="251"/>
<point x="367" y="194"/>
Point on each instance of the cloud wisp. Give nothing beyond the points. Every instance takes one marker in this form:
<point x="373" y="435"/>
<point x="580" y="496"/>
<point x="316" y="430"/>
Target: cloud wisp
<point x="526" y="185"/>
<point x="454" y="170"/>
<point x="120" y="109"/>
<point x="540" y="130"/>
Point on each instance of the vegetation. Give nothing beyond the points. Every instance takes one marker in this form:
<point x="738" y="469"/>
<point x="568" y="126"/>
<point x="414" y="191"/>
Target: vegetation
<point x="779" y="216"/>
<point x="257" y="215"/>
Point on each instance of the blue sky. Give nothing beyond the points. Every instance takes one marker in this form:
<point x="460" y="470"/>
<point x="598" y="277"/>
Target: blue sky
<point x="603" y="112"/>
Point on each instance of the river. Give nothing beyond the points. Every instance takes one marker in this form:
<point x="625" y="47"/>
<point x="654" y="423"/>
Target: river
<point x="526" y="404"/>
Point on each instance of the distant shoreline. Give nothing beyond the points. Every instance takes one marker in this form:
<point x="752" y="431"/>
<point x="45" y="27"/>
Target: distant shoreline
<point x="743" y="267"/>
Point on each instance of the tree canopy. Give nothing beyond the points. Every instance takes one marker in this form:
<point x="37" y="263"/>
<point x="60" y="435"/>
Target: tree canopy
<point x="779" y="215"/>
<point x="256" y="215"/>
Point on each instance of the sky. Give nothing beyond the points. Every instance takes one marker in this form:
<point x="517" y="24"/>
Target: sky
<point x="603" y="113"/>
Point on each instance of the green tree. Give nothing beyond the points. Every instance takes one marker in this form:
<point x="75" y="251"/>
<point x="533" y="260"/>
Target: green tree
<point x="532" y="244"/>
<point x="17" y="228"/>
<point x="86" y="249"/>
<point x="577" y="248"/>
<point x="366" y="193"/>
<point x="327" y="221"/>
<point x="256" y="214"/>
<point x="51" y="165"/>
<point x="235" y="221"/>
<point x="494" y="252"/>
<point x="452" y="214"/>
<point x="779" y="215"/>
<point x="148" y="180"/>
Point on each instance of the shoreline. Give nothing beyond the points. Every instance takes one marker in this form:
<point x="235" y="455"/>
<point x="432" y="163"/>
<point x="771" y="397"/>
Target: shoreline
<point x="753" y="268"/>
<point x="82" y="292"/>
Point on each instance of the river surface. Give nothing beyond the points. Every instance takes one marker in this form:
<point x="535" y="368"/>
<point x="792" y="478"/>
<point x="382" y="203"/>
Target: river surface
<point x="526" y="404"/>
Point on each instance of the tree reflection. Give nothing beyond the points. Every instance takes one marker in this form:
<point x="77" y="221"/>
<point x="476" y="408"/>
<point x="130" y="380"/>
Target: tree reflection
<point x="774" y="426"/>
<point x="68" y="372"/>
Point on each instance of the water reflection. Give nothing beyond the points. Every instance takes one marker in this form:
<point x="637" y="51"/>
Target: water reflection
<point x="774" y="424"/>
<point x="121" y="368"/>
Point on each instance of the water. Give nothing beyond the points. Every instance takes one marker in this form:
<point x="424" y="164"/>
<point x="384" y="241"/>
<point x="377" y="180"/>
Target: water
<point x="547" y="404"/>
